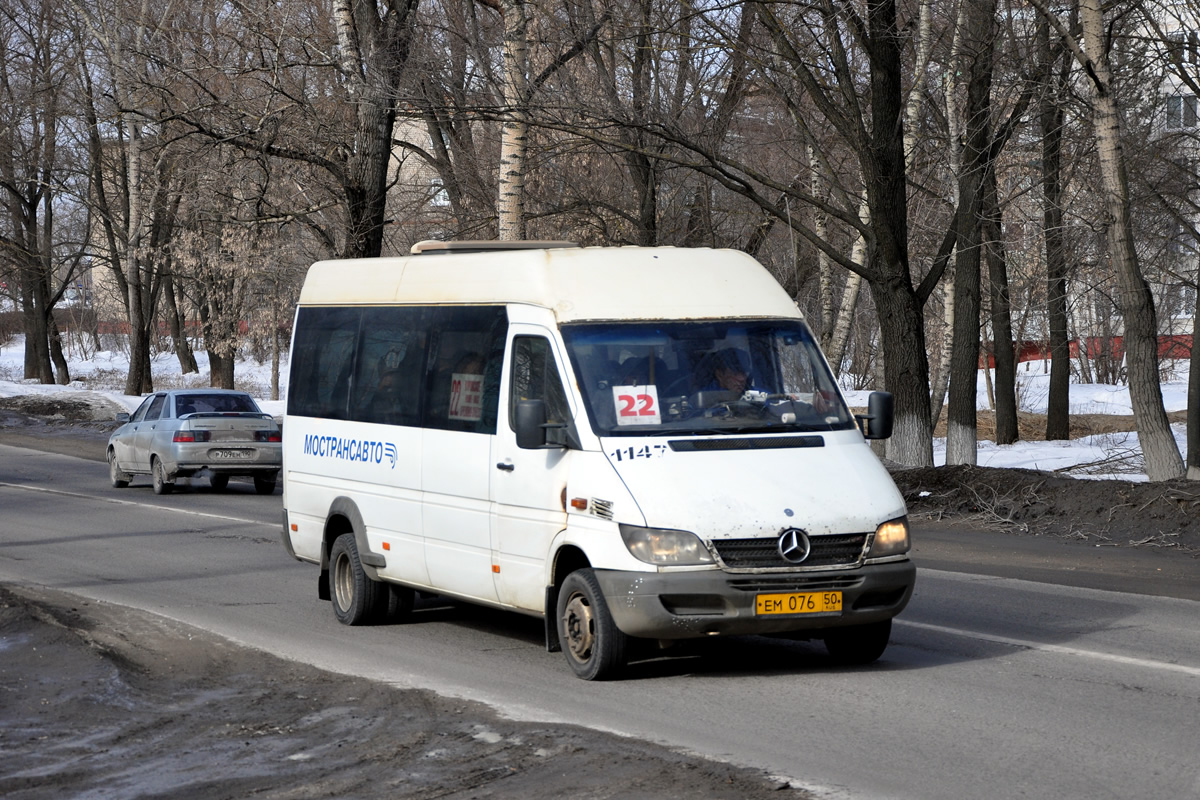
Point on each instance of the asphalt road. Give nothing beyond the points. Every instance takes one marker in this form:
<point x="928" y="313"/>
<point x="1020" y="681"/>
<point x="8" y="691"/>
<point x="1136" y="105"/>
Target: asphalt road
<point x="992" y="687"/>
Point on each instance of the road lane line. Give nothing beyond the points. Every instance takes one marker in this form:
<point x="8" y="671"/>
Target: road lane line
<point x="114" y="501"/>
<point x="1055" y="648"/>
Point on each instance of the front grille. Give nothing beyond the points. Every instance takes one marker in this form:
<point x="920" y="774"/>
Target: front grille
<point x="793" y="583"/>
<point x="763" y="443"/>
<point x="839" y="550"/>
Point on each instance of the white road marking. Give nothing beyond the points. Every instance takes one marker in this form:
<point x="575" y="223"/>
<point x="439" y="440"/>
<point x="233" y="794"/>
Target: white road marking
<point x="1056" y="648"/>
<point x="114" y="501"/>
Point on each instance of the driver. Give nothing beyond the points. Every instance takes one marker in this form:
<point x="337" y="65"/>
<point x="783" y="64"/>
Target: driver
<point x="731" y="371"/>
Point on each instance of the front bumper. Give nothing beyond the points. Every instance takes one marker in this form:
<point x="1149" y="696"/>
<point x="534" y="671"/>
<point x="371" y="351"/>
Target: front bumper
<point x="685" y="605"/>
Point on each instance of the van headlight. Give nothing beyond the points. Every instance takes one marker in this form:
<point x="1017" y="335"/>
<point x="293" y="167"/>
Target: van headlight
<point x="664" y="547"/>
<point x="891" y="538"/>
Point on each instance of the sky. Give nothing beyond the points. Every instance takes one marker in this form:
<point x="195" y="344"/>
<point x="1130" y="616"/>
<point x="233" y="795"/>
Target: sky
<point x="1033" y="387"/>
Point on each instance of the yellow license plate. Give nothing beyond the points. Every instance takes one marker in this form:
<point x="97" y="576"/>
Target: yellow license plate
<point x="799" y="603"/>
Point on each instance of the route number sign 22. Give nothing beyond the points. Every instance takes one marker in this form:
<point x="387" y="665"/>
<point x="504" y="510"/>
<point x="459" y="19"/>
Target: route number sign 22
<point x="637" y="405"/>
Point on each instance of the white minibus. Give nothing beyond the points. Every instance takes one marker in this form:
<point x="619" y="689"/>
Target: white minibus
<point x="632" y="443"/>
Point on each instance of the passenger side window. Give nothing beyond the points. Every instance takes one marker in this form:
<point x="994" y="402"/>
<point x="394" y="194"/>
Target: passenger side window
<point x="156" y="407"/>
<point x="466" y="353"/>
<point x="535" y="377"/>
<point x="140" y="414"/>
<point x="322" y="360"/>
<point x="391" y="366"/>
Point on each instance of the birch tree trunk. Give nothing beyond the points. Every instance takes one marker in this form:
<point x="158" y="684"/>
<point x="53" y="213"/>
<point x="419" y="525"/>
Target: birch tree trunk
<point x="941" y="376"/>
<point x="514" y="131"/>
<point x="836" y="351"/>
<point x="940" y="379"/>
<point x="1161" y="454"/>
<point x="824" y="267"/>
<point x="912" y="109"/>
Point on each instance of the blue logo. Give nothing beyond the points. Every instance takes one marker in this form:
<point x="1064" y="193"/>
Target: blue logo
<point x="363" y="450"/>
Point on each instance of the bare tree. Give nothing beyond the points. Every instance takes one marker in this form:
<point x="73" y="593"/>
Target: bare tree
<point x="1161" y="454"/>
<point x="41" y="238"/>
<point x="1050" y="115"/>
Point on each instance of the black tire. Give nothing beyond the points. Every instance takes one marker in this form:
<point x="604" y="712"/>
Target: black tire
<point x="264" y="485"/>
<point x="119" y="479"/>
<point x="400" y="602"/>
<point x="159" y="474"/>
<point x="859" y="644"/>
<point x="593" y="644"/>
<point x="357" y="600"/>
<point x="218" y="482"/>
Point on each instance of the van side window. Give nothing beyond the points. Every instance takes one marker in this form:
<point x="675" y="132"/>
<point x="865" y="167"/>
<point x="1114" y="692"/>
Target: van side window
<point x="391" y="364"/>
<point x="535" y="377"/>
<point x="322" y="359"/>
<point x="466" y="355"/>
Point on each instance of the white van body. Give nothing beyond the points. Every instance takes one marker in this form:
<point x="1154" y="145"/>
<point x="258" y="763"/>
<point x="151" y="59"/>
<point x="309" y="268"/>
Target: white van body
<point x="662" y="506"/>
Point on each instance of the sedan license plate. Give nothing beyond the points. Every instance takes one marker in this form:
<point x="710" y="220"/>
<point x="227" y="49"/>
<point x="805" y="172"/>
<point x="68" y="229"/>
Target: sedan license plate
<point x="799" y="603"/>
<point x="230" y="455"/>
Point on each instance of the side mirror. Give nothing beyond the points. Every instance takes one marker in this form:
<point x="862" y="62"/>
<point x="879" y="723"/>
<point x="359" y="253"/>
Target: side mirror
<point x="535" y="433"/>
<point x="531" y="416"/>
<point x="123" y="417"/>
<point x="877" y="422"/>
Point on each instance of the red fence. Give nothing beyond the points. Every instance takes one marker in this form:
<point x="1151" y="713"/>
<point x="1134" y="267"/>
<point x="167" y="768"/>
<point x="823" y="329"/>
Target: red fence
<point x="1172" y="346"/>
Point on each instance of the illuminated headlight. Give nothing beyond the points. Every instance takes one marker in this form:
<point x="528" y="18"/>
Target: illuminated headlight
<point x="891" y="538"/>
<point x="664" y="547"/>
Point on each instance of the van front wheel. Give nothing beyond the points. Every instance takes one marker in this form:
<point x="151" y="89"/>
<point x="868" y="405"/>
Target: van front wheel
<point x="594" y="645"/>
<point x="859" y="644"/>
<point x="357" y="600"/>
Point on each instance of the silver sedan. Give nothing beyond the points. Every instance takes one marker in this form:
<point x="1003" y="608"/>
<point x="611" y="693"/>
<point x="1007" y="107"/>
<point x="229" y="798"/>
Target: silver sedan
<point x="213" y="433"/>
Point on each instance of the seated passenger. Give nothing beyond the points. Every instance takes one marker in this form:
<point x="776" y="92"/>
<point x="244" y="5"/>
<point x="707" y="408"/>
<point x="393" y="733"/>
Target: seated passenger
<point x="386" y="401"/>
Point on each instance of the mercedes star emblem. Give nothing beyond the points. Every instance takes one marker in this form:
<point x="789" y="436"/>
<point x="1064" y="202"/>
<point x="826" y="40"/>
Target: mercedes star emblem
<point x="794" y="545"/>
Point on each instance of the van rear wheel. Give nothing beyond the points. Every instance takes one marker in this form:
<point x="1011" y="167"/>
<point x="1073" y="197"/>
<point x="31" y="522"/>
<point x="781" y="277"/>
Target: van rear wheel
<point x="859" y="644"/>
<point x="594" y="645"/>
<point x="357" y="600"/>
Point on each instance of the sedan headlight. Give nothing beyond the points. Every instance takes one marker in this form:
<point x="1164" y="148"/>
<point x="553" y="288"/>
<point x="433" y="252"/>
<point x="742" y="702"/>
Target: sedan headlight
<point x="664" y="547"/>
<point x="891" y="538"/>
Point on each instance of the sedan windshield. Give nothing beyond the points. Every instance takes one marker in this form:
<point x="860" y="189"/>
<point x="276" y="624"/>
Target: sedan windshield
<point x="672" y="378"/>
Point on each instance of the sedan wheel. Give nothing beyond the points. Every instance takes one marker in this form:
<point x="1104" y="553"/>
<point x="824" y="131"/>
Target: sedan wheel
<point x="161" y="484"/>
<point x="218" y="482"/>
<point x="265" y="485"/>
<point x="119" y="479"/>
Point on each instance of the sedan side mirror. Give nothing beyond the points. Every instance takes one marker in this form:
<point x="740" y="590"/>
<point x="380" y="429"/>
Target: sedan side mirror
<point x="123" y="416"/>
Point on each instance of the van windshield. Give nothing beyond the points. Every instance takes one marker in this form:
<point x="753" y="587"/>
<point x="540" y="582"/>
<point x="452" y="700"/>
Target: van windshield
<point x="703" y="377"/>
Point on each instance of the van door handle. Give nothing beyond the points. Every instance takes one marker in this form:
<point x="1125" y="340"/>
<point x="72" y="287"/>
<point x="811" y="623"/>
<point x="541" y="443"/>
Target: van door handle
<point x="506" y="467"/>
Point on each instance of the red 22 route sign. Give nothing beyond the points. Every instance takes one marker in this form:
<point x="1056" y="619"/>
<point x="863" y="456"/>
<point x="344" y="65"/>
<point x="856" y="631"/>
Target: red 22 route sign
<point x="637" y="405"/>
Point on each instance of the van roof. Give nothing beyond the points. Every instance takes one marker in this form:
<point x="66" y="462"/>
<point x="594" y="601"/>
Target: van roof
<point x="576" y="283"/>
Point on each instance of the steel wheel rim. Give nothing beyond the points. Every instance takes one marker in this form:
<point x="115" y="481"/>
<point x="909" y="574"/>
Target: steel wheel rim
<point x="343" y="582"/>
<point x="579" y="626"/>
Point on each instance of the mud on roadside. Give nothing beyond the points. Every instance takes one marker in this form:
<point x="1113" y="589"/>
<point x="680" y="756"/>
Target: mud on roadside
<point x="110" y="702"/>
